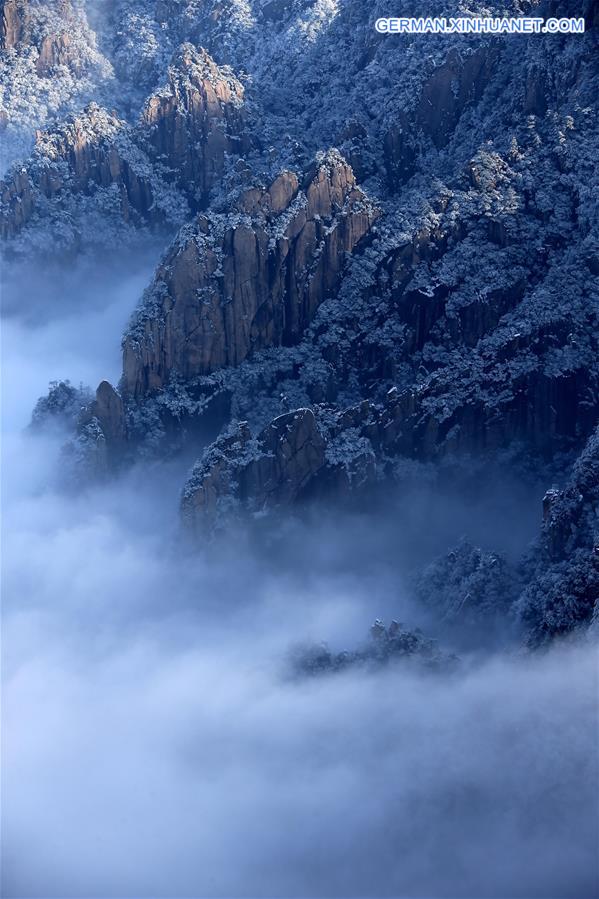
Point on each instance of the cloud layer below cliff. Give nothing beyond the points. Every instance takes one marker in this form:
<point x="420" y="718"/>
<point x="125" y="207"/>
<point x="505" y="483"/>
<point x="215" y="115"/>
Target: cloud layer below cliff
<point x="154" y="746"/>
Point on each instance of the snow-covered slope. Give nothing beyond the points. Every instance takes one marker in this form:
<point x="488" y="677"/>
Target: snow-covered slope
<point x="457" y="315"/>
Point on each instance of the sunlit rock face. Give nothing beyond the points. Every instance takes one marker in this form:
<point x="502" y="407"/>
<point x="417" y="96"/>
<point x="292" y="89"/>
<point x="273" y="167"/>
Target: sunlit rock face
<point x="47" y="28"/>
<point x="444" y="310"/>
<point x="233" y="284"/>
<point x="197" y="120"/>
<point x="13" y="23"/>
<point x="153" y="171"/>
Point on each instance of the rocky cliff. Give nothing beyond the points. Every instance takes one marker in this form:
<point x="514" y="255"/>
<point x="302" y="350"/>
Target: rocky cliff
<point x="155" y="171"/>
<point x="14" y="21"/>
<point x="274" y="468"/>
<point x="50" y="65"/>
<point x="446" y="309"/>
<point x="195" y="121"/>
<point x="238" y="283"/>
<point x="49" y="31"/>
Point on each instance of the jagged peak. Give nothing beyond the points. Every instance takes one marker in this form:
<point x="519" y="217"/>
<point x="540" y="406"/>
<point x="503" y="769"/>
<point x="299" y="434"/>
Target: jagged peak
<point x="331" y="160"/>
<point x="195" y="82"/>
<point x="332" y="166"/>
<point x="260" y="262"/>
<point x="92" y="124"/>
<point x="272" y="203"/>
<point x="187" y="57"/>
<point x="194" y="65"/>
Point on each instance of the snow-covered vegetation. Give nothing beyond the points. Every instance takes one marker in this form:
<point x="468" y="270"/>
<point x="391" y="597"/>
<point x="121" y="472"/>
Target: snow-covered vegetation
<point x="465" y="326"/>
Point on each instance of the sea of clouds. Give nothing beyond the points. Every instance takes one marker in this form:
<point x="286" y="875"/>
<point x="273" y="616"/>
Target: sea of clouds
<point x="154" y="743"/>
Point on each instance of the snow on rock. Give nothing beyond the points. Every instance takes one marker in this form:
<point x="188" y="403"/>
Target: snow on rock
<point x="160" y="168"/>
<point x="237" y="283"/>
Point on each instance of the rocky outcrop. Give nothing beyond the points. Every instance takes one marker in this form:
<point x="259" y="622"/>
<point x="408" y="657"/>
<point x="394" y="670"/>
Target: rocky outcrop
<point x="82" y="155"/>
<point x="159" y="168"/>
<point x="257" y="473"/>
<point x="47" y="27"/>
<point x="99" y="444"/>
<point x="361" y="442"/>
<point x="235" y="284"/>
<point x="109" y="410"/>
<point x="196" y="121"/>
<point x="300" y="455"/>
<point x="14" y="19"/>
<point x="563" y="568"/>
<point x="57" y="50"/>
<point x="55" y="42"/>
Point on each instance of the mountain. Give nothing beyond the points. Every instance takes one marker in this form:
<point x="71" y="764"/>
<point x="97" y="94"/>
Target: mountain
<point x="379" y="250"/>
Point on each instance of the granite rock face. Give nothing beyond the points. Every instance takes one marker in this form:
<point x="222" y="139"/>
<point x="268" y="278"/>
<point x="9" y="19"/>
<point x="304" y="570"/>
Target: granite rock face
<point x="196" y="120"/>
<point x="463" y="325"/>
<point x="109" y="410"/>
<point x="362" y="441"/>
<point x="301" y="455"/>
<point x="234" y="284"/>
<point x="13" y="23"/>
<point x="273" y="469"/>
<point x="77" y="157"/>
<point x="153" y="171"/>
<point x="50" y="65"/>
<point x="25" y="23"/>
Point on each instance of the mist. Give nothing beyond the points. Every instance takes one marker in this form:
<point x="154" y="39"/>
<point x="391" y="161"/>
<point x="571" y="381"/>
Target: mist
<point x="154" y="742"/>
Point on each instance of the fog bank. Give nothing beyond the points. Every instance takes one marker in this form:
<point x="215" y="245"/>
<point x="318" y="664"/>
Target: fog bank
<point x="154" y="744"/>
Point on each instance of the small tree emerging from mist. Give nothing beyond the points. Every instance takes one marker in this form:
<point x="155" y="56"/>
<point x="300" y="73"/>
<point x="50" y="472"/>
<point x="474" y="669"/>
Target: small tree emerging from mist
<point x="62" y="406"/>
